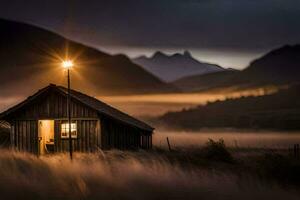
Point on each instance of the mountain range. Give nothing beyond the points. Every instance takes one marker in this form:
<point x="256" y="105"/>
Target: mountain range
<point x="278" y="67"/>
<point x="281" y="110"/>
<point x="172" y="67"/>
<point x="31" y="58"/>
<point x="205" y="82"/>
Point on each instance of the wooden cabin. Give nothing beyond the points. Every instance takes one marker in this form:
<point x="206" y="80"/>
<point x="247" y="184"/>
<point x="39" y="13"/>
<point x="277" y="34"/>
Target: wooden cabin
<point x="40" y="124"/>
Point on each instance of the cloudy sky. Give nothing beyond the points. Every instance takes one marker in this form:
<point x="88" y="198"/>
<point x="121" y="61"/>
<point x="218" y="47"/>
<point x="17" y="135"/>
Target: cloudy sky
<point x="227" y="32"/>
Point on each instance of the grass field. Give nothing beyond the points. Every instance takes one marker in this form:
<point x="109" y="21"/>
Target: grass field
<point x="210" y="172"/>
<point x="196" y="168"/>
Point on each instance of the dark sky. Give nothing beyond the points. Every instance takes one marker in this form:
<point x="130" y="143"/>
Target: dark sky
<point x="237" y="28"/>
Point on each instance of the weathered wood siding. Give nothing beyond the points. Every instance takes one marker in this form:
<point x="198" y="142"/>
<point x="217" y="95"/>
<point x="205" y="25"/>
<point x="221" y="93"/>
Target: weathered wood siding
<point x="24" y="135"/>
<point x="116" y="135"/>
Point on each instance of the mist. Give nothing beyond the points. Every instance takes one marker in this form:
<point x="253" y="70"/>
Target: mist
<point x="234" y="138"/>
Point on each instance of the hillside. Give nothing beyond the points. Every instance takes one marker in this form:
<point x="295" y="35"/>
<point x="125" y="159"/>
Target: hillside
<point x="170" y="68"/>
<point x="278" y="67"/>
<point x="277" y="111"/>
<point x="31" y="56"/>
<point x="206" y="81"/>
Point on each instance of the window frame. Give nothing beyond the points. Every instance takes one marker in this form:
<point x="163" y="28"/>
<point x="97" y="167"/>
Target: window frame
<point x="67" y="132"/>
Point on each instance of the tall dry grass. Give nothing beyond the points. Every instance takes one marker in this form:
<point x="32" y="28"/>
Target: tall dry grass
<point x="123" y="175"/>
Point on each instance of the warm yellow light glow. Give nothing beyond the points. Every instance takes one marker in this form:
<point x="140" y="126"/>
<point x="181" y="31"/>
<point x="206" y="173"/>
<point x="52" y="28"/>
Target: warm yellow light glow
<point x="65" y="130"/>
<point x="67" y="64"/>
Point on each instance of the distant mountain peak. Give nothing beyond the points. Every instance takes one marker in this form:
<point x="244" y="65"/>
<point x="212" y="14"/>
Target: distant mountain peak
<point x="175" y="66"/>
<point x="158" y="54"/>
<point x="275" y="58"/>
<point x="283" y="49"/>
<point x="186" y="53"/>
<point x="288" y="47"/>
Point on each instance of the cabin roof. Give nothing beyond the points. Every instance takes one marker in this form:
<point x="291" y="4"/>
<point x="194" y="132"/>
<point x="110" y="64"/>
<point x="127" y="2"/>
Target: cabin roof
<point x="89" y="101"/>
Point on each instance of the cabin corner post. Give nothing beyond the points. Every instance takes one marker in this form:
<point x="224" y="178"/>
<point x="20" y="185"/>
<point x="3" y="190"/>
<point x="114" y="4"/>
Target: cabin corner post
<point x="35" y="127"/>
<point x="98" y="134"/>
<point x="151" y="145"/>
<point x="12" y="134"/>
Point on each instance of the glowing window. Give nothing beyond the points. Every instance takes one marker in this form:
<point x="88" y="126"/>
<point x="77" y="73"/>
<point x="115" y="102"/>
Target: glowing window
<point x="65" y="130"/>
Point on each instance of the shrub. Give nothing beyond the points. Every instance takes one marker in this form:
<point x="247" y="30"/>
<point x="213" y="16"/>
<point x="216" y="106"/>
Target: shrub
<point x="217" y="151"/>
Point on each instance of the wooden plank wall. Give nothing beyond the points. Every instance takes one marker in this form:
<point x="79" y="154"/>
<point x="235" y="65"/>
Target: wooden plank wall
<point x="24" y="135"/>
<point x="146" y="141"/>
<point x="119" y="136"/>
<point x="91" y="135"/>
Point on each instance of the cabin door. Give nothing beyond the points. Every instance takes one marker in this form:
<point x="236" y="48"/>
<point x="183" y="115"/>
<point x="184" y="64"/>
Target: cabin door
<point x="46" y="137"/>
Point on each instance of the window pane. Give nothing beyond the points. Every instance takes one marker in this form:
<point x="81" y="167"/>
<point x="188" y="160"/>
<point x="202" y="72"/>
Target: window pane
<point x="65" y="130"/>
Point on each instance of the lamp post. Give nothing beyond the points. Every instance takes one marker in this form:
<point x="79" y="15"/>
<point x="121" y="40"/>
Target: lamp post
<point x="68" y="65"/>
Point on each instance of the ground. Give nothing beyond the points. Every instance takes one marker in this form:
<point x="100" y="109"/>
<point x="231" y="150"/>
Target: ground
<point x="211" y="171"/>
